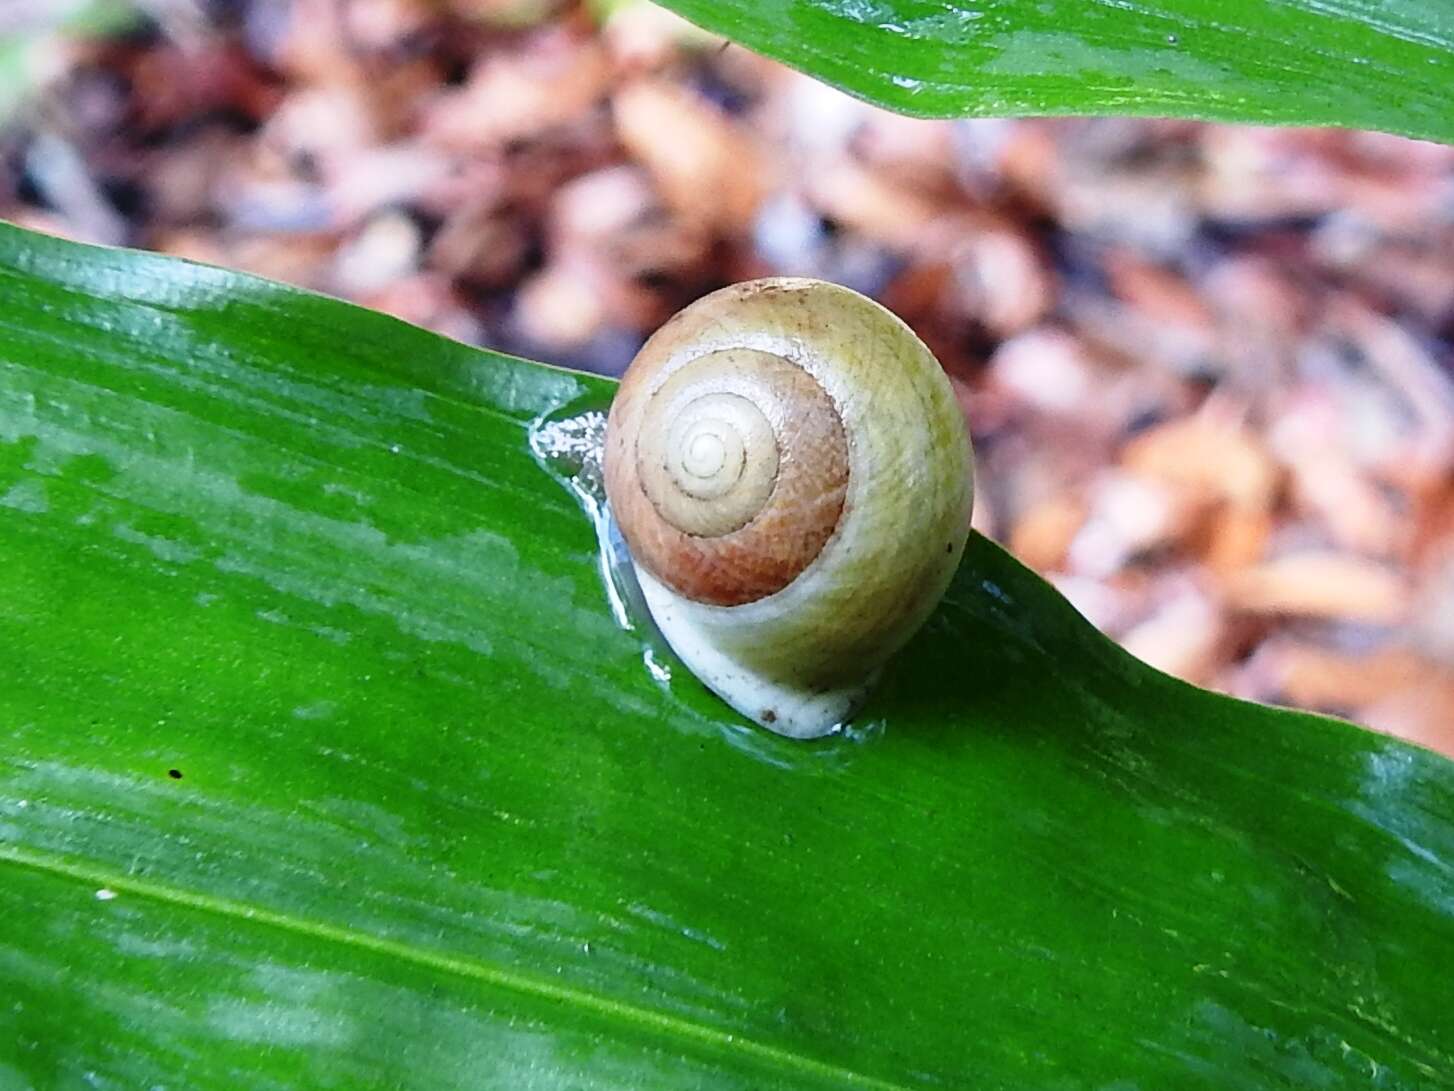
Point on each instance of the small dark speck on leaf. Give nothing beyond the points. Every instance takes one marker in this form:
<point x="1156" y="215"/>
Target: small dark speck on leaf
<point x="949" y="548"/>
<point x="175" y="774"/>
<point x="769" y="716"/>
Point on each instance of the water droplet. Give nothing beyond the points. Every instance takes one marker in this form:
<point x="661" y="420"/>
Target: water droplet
<point x="655" y="667"/>
<point x="105" y="895"/>
<point x="570" y="446"/>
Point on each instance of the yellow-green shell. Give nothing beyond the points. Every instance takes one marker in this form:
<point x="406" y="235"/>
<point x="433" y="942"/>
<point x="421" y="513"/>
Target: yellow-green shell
<point x="800" y="658"/>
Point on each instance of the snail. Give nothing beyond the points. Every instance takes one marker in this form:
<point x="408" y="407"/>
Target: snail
<point x="793" y="478"/>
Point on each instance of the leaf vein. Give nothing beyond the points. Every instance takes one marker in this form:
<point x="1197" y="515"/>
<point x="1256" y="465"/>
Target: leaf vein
<point x="470" y="969"/>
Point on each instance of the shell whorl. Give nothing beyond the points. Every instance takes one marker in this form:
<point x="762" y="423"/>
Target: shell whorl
<point x="792" y="474"/>
<point x="737" y="478"/>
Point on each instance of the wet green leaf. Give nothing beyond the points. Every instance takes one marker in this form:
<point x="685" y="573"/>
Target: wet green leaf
<point x="324" y="765"/>
<point x="1369" y="65"/>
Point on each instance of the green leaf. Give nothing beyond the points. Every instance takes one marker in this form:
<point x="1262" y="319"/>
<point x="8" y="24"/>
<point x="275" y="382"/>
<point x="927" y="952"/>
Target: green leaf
<point x="324" y="765"/>
<point x="1387" y="65"/>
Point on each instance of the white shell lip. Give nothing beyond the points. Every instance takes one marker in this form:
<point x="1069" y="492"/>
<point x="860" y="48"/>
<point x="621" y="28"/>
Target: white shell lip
<point x="776" y="704"/>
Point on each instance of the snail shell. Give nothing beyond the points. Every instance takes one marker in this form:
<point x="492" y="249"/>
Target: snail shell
<point x="793" y="477"/>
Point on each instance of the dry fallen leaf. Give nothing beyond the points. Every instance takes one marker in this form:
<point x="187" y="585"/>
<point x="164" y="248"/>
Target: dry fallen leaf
<point x="1321" y="585"/>
<point x="706" y="168"/>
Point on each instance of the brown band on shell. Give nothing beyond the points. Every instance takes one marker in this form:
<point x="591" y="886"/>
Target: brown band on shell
<point x="728" y="476"/>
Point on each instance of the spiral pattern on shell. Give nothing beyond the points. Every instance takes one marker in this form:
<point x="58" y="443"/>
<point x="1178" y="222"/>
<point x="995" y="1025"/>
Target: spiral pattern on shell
<point x="792" y="475"/>
<point x="742" y="459"/>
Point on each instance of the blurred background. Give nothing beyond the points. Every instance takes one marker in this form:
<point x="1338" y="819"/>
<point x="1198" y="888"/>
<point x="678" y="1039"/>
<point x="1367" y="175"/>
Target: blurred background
<point x="1209" y="369"/>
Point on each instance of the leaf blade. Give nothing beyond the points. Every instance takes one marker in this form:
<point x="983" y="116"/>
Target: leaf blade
<point x="1286" y="62"/>
<point x="301" y="554"/>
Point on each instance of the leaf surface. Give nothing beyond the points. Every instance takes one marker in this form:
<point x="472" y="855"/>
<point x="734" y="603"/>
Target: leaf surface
<point x="324" y="765"/>
<point x="1360" y="63"/>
